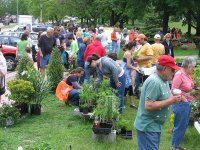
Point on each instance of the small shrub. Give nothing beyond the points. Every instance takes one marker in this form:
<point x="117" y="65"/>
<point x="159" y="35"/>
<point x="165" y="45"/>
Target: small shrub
<point x="184" y="47"/>
<point x="22" y="67"/>
<point x="8" y="115"/>
<point x="21" y="91"/>
<point x="55" y="69"/>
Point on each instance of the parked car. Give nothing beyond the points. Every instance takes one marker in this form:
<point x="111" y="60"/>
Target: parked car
<point x="9" y="53"/>
<point x="9" y="40"/>
<point x="33" y="36"/>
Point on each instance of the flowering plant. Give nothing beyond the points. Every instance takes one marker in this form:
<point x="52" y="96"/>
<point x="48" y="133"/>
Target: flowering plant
<point x="8" y="114"/>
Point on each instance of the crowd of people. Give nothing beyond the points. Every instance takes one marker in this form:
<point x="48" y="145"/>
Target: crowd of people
<point x="86" y="50"/>
<point x="127" y="75"/>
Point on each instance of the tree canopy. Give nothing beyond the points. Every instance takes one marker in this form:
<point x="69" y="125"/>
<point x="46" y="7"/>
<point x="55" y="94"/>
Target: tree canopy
<point x="112" y="12"/>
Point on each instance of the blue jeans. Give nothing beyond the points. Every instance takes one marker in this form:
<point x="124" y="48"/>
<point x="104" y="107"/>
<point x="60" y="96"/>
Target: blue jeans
<point x="74" y="97"/>
<point x="137" y="84"/>
<point x="181" y="119"/>
<point x="114" y="46"/>
<point x="148" y="140"/>
<point x="87" y="72"/>
<point x="121" y="90"/>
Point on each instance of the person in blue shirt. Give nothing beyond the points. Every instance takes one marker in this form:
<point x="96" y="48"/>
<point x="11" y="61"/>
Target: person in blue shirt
<point x="80" y="56"/>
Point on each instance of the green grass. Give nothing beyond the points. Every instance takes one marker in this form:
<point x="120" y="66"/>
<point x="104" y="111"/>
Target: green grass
<point x="59" y="128"/>
<point x="180" y="52"/>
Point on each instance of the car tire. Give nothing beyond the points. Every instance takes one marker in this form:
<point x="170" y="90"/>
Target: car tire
<point x="10" y="62"/>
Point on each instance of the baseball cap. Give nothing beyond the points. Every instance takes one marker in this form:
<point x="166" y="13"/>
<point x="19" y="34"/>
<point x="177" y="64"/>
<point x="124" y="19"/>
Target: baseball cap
<point x="140" y="36"/>
<point x="168" y="61"/>
<point x="157" y="36"/>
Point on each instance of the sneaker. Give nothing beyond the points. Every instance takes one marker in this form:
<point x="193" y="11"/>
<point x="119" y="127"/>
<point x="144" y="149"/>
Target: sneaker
<point x="178" y="148"/>
<point x="133" y="106"/>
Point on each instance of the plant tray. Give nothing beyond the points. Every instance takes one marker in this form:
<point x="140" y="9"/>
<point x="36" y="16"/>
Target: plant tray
<point x="127" y="135"/>
<point x="105" y="128"/>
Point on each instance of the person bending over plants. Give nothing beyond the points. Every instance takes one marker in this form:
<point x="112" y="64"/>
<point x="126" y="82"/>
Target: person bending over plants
<point x="68" y="89"/>
<point x="108" y="67"/>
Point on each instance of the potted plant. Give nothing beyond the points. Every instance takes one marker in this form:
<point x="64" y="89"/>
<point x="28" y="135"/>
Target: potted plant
<point x="8" y="114"/>
<point x="179" y="61"/>
<point x="55" y="69"/>
<point x="41" y="89"/>
<point x="125" y="129"/>
<point x="195" y="111"/>
<point x="21" y="92"/>
<point x="88" y="97"/>
<point x="106" y="110"/>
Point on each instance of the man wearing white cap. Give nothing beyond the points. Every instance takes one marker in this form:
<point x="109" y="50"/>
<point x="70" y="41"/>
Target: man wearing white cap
<point x="158" y="49"/>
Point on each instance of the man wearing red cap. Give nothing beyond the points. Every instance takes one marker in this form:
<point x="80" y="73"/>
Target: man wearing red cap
<point x="154" y="104"/>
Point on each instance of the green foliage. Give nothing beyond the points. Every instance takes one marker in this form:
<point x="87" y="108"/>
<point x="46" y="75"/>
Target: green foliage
<point x="184" y="47"/>
<point x="41" y="86"/>
<point x="55" y="69"/>
<point x="123" y="123"/>
<point x="88" y="95"/>
<point x="8" y="115"/>
<point x="195" y="110"/>
<point x="196" y="76"/>
<point x="107" y="104"/>
<point x="21" y="90"/>
<point x="42" y="146"/>
<point x="152" y="24"/>
<point x="178" y="60"/>
<point x="22" y="67"/>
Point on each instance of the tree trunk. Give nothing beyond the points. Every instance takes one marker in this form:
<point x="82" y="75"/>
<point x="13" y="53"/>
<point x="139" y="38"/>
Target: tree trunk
<point x="81" y="20"/>
<point x="102" y="21"/>
<point x="165" y="21"/>
<point x="132" y="22"/>
<point x="112" y="18"/>
<point x="121" y="23"/>
<point x="198" y="23"/>
<point x="189" y="22"/>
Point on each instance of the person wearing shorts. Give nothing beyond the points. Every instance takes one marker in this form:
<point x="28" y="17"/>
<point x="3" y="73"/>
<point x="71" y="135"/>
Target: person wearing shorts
<point x="46" y="44"/>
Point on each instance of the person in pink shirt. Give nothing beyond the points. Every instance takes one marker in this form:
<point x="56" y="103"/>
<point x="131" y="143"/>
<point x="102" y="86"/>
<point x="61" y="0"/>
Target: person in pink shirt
<point x="183" y="81"/>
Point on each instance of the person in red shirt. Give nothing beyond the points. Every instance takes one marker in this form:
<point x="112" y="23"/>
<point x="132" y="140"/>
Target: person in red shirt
<point x="94" y="48"/>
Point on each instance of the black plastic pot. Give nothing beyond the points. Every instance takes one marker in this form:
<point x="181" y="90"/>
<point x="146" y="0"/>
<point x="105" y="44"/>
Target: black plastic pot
<point x="35" y="109"/>
<point x="105" y="128"/>
<point x="23" y="108"/>
<point x="85" y="110"/>
<point x="128" y="134"/>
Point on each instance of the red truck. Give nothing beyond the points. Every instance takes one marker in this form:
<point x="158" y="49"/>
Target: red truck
<point x="9" y="53"/>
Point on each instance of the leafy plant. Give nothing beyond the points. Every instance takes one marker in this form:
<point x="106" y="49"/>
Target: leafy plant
<point x="196" y="76"/>
<point x="22" y="67"/>
<point x="184" y="47"/>
<point x="88" y="95"/>
<point x="107" y="104"/>
<point x="55" y="69"/>
<point x="21" y="90"/>
<point x="124" y="124"/>
<point x="178" y="60"/>
<point x="195" y="110"/>
<point x="8" y="115"/>
<point x="41" y="86"/>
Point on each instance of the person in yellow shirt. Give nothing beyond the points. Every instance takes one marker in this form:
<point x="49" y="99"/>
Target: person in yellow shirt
<point x="158" y="49"/>
<point x="145" y="53"/>
<point x="144" y="60"/>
